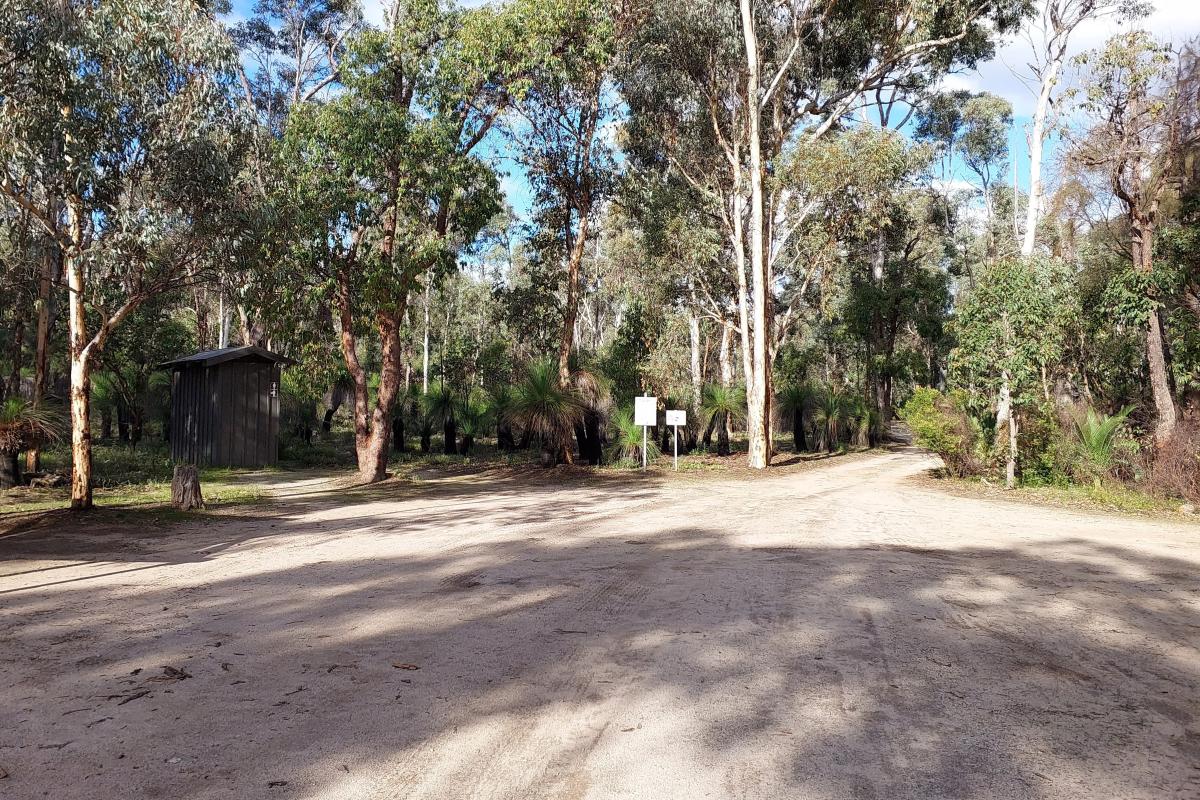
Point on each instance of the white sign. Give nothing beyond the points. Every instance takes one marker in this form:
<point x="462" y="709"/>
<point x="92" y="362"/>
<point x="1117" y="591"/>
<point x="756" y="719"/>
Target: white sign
<point x="645" y="411"/>
<point x="677" y="418"/>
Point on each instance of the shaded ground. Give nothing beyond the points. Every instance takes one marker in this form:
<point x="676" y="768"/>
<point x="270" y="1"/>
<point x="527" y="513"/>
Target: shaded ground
<point x="836" y="632"/>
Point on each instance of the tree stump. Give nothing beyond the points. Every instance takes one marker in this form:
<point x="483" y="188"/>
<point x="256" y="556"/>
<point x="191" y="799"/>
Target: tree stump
<point x="185" y="488"/>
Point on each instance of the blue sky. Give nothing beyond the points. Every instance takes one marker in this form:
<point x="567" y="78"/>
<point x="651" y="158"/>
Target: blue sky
<point x="1171" y="21"/>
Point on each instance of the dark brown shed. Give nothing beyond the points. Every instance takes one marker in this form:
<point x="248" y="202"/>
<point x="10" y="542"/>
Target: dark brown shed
<point x="225" y="407"/>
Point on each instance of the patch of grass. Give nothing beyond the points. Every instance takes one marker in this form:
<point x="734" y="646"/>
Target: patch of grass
<point x="217" y="493"/>
<point x="1107" y="496"/>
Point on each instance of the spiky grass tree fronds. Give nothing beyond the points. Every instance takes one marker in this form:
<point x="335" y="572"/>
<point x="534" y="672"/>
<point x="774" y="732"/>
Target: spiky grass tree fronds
<point x="441" y="406"/>
<point x="722" y="406"/>
<point x="22" y="424"/>
<point x="863" y="419"/>
<point x="474" y="416"/>
<point x="1096" y="439"/>
<point x="595" y="392"/>
<point x="627" y="440"/>
<point x="546" y="410"/>
<point x="795" y="401"/>
<point x="830" y="413"/>
<point x="500" y="403"/>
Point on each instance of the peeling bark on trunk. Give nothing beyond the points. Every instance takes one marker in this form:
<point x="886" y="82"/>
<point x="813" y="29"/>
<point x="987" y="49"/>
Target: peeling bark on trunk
<point x="571" y="308"/>
<point x="758" y="409"/>
<point x="1010" y="471"/>
<point x="694" y="345"/>
<point x="1157" y="357"/>
<point x="41" y="360"/>
<point x="1160" y="379"/>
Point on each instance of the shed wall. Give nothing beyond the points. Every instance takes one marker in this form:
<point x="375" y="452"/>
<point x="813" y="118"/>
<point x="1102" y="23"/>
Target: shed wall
<point x="225" y="415"/>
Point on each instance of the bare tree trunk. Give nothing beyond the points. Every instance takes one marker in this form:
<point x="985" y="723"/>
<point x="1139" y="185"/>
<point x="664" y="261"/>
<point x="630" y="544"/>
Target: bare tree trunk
<point x="185" y="488"/>
<point x="757" y="395"/>
<point x="694" y="344"/>
<point x="425" y="343"/>
<point x="81" y="378"/>
<point x="1037" y="139"/>
<point x="1160" y="379"/>
<point x="373" y="454"/>
<point x="1010" y="471"/>
<point x="358" y="375"/>
<point x="571" y="308"/>
<point x="725" y="359"/>
<point x="41" y="361"/>
<point x="1157" y="359"/>
<point x="200" y="306"/>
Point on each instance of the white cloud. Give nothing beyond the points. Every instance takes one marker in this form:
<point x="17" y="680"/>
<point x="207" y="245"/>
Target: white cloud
<point x="1171" y="21"/>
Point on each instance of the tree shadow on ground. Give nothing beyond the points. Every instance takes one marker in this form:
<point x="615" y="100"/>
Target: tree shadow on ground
<point x="666" y="662"/>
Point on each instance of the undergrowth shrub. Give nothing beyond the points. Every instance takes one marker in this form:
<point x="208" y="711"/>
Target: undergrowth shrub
<point x="1174" y="470"/>
<point x="940" y="423"/>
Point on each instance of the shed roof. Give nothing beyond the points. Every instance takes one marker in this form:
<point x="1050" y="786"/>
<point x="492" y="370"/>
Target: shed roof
<point x="208" y="358"/>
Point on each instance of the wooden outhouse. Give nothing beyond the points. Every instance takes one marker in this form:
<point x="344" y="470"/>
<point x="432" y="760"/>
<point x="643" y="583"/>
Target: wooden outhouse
<point x="225" y="407"/>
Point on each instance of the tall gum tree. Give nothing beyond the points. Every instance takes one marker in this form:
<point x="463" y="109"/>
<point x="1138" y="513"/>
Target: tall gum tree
<point x="124" y="110"/>
<point x="719" y="92"/>
<point x="385" y="187"/>
<point x="1049" y="40"/>
<point x="1140" y="130"/>
<point x="560" y="128"/>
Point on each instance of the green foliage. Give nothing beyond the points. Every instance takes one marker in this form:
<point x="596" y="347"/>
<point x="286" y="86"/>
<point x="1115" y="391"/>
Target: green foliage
<point x="440" y="404"/>
<point x="940" y="423"/>
<point x="1097" y="442"/>
<point x="724" y="402"/>
<point x="795" y="397"/>
<point x="1009" y="327"/>
<point x="830" y="411"/>
<point x="22" y="424"/>
<point x="626" y="436"/>
<point x="545" y="410"/>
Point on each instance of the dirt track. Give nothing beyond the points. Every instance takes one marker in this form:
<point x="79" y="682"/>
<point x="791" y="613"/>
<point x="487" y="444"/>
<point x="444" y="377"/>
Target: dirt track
<point x="836" y="633"/>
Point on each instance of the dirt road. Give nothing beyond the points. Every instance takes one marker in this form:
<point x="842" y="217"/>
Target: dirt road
<point x="836" y="633"/>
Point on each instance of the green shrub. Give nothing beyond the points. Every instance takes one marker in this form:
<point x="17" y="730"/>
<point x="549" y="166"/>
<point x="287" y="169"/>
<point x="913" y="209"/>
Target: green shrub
<point x="939" y="423"/>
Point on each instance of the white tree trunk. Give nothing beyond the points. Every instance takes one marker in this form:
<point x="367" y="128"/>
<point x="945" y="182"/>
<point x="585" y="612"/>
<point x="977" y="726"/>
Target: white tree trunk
<point x="757" y="399"/>
<point x="81" y="390"/>
<point x="694" y="345"/>
<point x="425" y="344"/>
<point x="1037" y="139"/>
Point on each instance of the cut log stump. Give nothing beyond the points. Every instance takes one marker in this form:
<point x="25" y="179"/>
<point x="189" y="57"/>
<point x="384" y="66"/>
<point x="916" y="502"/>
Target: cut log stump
<point x="185" y="488"/>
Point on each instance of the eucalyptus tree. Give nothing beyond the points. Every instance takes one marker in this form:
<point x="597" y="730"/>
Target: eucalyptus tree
<point x="123" y="113"/>
<point x="385" y="186"/>
<point x="1141" y="131"/>
<point x="563" y="124"/>
<point x="292" y="52"/>
<point x="1011" y="329"/>
<point x="1049" y="37"/>
<point x="719" y="92"/>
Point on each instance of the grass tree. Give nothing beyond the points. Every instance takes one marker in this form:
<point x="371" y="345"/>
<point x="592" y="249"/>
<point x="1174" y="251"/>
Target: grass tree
<point x="474" y="416"/>
<point x="627" y="438"/>
<point x="441" y="406"/>
<point x="722" y="406"/>
<point x="547" y="411"/>
<point x="500" y="403"/>
<point x="796" y="401"/>
<point x="830" y="412"/>
<point x="22" y="425"/>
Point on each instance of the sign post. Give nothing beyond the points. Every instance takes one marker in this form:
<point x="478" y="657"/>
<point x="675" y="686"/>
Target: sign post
<point x="645" y="413"/>
<point x="675" y="419"/>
